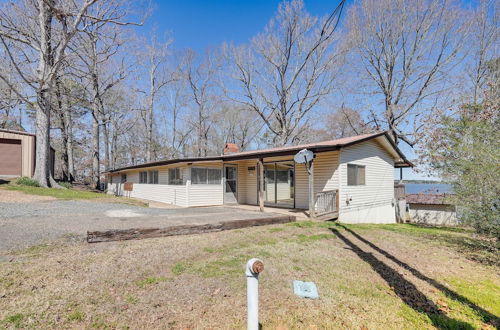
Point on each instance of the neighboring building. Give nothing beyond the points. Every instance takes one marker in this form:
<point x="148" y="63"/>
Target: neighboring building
<point x="17" y="154"/>
<point x="432" y="209"/>
<point x="353" y="179"/>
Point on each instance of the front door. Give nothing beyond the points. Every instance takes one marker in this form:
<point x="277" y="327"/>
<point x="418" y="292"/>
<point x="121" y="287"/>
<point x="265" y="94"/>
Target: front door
<point x="230" y="184"/>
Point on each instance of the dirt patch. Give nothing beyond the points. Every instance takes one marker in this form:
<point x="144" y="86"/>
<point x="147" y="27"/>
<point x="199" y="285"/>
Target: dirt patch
<point x="373" y="278"/>
<point x="12" y="196"/>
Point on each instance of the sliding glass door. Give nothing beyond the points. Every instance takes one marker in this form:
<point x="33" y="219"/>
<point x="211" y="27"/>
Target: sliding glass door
<point x="279" y="185"/>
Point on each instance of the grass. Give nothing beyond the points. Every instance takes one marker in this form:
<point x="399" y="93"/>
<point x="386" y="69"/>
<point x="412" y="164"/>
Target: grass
<point x="368" y="276"/>
<point x="71" y="194"/>
<point x="58" y="193"/>
<point x="151" y="280"/>
<point x="76" y="316"/>
<point x="16" y="320"/>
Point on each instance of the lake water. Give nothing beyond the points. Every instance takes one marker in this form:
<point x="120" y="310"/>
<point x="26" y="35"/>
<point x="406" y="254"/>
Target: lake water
<point x="416" y="188"/>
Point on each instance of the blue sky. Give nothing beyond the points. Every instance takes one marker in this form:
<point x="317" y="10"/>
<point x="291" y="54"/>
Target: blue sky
<point x="200" y="24"/>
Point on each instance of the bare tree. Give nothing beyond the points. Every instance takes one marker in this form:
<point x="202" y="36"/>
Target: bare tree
<point x="483" y="43"/>
<point x="234" y="124"/>
<point x="98" y="49"/>
<point x="343" y="122"/>
<point x="35" y="36"/>
<point x="287" y="70"/>
<point x="176" y="134"/>
<point x="403" y="51"/>
<point x="154" y="57"/>
<point x="68" y="97"/>
<point x="201" y="80"/>
<point x="10" y="103"/>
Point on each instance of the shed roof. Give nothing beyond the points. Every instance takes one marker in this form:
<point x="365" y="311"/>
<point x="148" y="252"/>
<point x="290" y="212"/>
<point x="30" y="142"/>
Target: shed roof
<point x="21" y="133"/>
<point x="289" y="150"/>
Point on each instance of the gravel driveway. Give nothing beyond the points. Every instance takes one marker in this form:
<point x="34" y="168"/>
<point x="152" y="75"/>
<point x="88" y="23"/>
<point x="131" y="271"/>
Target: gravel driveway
<point x="25" y="224"/>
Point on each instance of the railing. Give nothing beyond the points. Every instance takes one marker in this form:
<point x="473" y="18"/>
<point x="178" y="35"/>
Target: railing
<point x="326" y="202"/>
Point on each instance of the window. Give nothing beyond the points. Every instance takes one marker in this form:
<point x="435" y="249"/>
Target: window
<point x="153" y="177"/>
<point x="175" y="176"/>
<point x="214" y="175"/>
<point x="200" y="175"/>
<point x="143" y="177"/>
<point x="123" y="178"/>
<point x="355" y="175"/>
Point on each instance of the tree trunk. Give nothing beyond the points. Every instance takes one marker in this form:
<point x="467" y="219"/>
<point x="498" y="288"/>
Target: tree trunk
<point x="62" y="126"/>
<point x="95" y="148"/>
<point x="69" y="144"/>
<point x="149" y="133"/>
<point x="42" y="119"/>
<point x="150" y="115"/>
<point x="105" y="131"/>
<point x="43" y="104"/>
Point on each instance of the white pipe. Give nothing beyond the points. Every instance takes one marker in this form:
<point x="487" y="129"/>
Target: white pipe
<point x="253" y="269"/>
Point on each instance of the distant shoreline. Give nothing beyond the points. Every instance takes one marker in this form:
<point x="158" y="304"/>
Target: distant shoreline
<point x="422" y="181"/>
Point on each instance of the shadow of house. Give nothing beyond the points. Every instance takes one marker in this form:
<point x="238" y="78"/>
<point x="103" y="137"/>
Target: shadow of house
<point x="404" y="289"/>
<point x="485" y="315"/>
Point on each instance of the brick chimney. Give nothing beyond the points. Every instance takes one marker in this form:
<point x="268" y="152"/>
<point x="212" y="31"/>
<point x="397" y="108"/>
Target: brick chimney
<point x="231" y="148"/>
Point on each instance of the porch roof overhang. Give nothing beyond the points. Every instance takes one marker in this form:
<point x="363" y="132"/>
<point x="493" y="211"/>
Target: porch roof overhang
<point x="382" y="137"/>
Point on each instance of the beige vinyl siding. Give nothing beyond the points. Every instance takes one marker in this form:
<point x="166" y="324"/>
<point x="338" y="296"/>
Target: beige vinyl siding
<point x="371" y="202"/>
<point x="326" y="177"/>
<point x="247" y="182"/>
<point x="27" y="151"/>
<point x="242" y="179"/>
<point x="325" y="173"/>
<point x="205" y="194"/>
<point x="161" y="192"/>
<point x="176" y="195"/>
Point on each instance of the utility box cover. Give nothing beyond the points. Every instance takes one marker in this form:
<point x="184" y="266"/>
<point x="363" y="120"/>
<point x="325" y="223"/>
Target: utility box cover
<point x="305" y="289"/>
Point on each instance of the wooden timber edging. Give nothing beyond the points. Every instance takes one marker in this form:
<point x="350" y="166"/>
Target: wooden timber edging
<point x="140" y="233"/>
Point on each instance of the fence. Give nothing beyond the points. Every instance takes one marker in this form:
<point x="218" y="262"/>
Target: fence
<point x="326" y="202"/>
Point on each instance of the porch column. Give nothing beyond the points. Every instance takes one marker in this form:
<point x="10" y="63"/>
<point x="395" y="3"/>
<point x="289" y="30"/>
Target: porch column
<point x="310" y="174"/>
<point x="260" y="165"/>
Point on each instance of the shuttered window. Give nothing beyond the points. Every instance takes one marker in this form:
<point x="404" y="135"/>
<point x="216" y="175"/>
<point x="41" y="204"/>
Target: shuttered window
<point x="355" y="175"/>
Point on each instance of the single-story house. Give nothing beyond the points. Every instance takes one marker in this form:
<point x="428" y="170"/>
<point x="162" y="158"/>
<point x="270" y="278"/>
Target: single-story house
<point x="17" y="154"/>
<point x="353" y="179"/>
<point x="432" y="209"/>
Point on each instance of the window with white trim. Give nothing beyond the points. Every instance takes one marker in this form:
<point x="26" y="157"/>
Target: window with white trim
<point x="175" y="176"/>
<point x="355" y="175"/>
<point x="205" y="175"/>
<point x="143" y="177"/>
<point x="153" y="177"/>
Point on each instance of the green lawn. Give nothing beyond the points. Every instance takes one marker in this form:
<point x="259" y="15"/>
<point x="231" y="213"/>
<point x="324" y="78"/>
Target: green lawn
<point x="69" y="194"/>
<point x="368" y="277"/>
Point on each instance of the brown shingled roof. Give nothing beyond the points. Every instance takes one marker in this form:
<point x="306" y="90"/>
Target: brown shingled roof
<point x="281" y="151"/>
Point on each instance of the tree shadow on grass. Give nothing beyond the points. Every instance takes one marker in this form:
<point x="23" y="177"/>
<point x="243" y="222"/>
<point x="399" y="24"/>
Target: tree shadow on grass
<point x="486" y="316"/>
<point x="404" y="289"/>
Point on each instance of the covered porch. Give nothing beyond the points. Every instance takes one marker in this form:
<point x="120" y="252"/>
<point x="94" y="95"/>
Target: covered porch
<point x="278" y="183"/>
